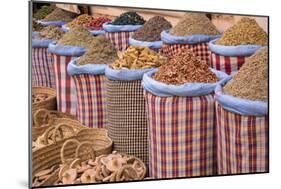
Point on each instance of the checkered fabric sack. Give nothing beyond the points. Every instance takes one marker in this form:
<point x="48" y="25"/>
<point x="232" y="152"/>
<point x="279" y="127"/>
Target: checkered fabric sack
<point x="154" y="45"/>
<point x="242" y="134"/>
<point x="119" y="34"/>
<point x="65" y="86"/>
<point x="91" y="93"/>
<point x="42" y="68"/>
<point x="229" y="59"/>
<point x="181" y="136"/>
<point x="181" y="122"/>
<point x="196" y="43"/>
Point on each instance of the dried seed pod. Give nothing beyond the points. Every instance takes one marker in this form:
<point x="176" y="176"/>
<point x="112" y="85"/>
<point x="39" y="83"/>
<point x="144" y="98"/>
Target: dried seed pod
<point x="69" y="176"/>
<point x="128" y="172"/>
<point x="88" y="176"/>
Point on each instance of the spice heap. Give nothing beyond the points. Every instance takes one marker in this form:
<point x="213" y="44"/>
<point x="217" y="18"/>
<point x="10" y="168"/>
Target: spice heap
<point x="50" y="32"/>
<point x="251" y="81"/>
<point x="194" y="23"/>
<point x="80" y="20"/>
<point x="152" y="29"/>
<point x="105" y="168"/>
<point x="59" y="15"/>
<point x="96" y="23"/>
<point x="101" y="51"/>
<point x="36" y="26"/>
<point x="185" y="67"/>
<point x="245" y="32"/>
<point x="77" y="36"/>
<point x="138" y="57"/>
<point x="129" y="18"/>
<point x="43" y="12"/>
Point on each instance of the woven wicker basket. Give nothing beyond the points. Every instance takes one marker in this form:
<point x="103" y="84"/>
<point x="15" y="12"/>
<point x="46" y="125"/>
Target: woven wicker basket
<point x="50" y="103"/>
<point x="43" y="119"/>
<point x="50" y="155"/>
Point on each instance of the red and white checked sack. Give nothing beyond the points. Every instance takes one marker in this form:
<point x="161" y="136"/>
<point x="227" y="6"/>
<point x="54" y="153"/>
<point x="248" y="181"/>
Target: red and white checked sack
<point x="242" y="142"/>
<point x="65" y="86"/>
<point x="91" y="99"/>
<point x="227" y="64"/>
<point x="200" y="50"/>
<point x="181" y="136"/>
<point x="120" y="40"/>
<point x="42" y="68"/>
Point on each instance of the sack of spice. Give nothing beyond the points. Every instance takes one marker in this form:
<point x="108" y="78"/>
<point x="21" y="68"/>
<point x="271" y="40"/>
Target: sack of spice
<point x="193" y="32"/>
<point x="149" y="34"/>
<point x="242" y="113"/>
<point x="94" y="25"/>
<point x="228" y="53"/>
<point x="119" y="31"/>
<point x="57" y="17"/>
<point x="127" y="124"/>
<point x="88" y="73"/>
<point x="73" y="44"/>
<point x="180" y="112"/>
<point x="43" y="12"/>
<point x="42" y="63"/>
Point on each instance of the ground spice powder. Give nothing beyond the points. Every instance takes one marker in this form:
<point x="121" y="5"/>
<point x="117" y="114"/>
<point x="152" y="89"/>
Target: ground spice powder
<point x="194" y="23"/>
<point x="60" y="15"/>
<point x="251" y="81"/>
<point x="80" y="20"/>
<point x="129" y="18"/>
<point x="50" y="32"/>
<point x="43" y="12"/>
<point x="185" y="67"/>
<point x="101" y="51"/>
<point x="152" y="29"/>
<point x="245" y="32"/>
<point x="36" y="26"/>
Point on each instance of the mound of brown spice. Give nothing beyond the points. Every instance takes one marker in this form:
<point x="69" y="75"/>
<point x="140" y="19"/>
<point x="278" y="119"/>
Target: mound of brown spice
<point x="77" y="36"/>
<point x="251" y="81"/>
<point x="194" y="23"/>
<point x="185" y="67"/>
<point x="50" y="32"/>
<point x="152" y="29"/>
<point x="101" y="51"/>
<point x="59" y="15"/>
<point x="245" y="32"/>
<point x="36" y="26"/>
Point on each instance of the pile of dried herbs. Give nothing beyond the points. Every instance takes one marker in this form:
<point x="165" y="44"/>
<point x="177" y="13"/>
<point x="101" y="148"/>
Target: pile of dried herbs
<point x="50" y="32"/>
<point x="101" y="51"/>
<point x="129" y="18"/>
<point x="43" y="12"/>
<point x="36" y="26"/>
<point x="245" y="32"/>
<point x="251" y="81"/>
<point x="185" y="67"/>
<point x="77" y="36"/>
<point x="152" y="29"/>
<point x="60" y="15"/>
<point x="194" y="23"/>
<point x="138" y="57"/>
<point x="80" y="20"/>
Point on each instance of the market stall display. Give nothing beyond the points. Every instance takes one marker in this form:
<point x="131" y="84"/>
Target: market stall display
<point x="43" y="12"/>
<point x="119" y="31"/>
<point x="180" y="103"/>
<point x="244" y="116"/>
<point x="42" y="63"/>
<point x="238" y="42"/>
<point x="193" y="32"/>
<point x="72" y="45"/>
<point x="127" y="124"/>
<point x="57" y="17"/>
<point x="88" y="75"/>
<point x="149" y="34"/>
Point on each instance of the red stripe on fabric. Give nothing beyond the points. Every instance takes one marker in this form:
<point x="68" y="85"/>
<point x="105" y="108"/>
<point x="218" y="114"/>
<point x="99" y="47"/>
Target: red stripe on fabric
<point x="188" y="133"/>
<point x="252" y="144"/>
<point x="215" y="162"/>
<point x="227" y="65"/>
<point x="59" y="85"/>
<point x="240" y="61"/>
<point x="227" y="141"/>
<point x="218" y="62"/>
<point x="219" y="140"/>
<point x="238" y="143"/>
<point x="67" y="86"/>
<point x="89" y="97"/>
<point x="175" y="150"/>
<point x="163" y="135"/>
<point x="99" y="101"/>
<point x="81" y="99"/>
<point x="203" y="134"/>
<point x="77" y="95"/>
<point x="153" y="115"/>
<point x="266" y="153"/>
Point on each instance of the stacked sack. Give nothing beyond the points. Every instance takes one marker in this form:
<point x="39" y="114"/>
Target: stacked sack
<point x="193" y="32"/>
<point x="242" y="118"/>
<point x="119" y="31"/>
<point x="228" y="53"/>
<point x="181" y="118"/>
<point x="88" y="73"/>
<point x="72" y="45"/>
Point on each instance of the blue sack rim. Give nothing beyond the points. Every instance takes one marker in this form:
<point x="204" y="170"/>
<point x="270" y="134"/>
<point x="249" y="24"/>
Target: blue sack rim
<point x="92" y="69"/>
<point x="108" y="27"/>
<point x="149" y="44"/>
<point x="41" y="43"/>
<point x="93" y="32"/>
<point x="66" y="50"/>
